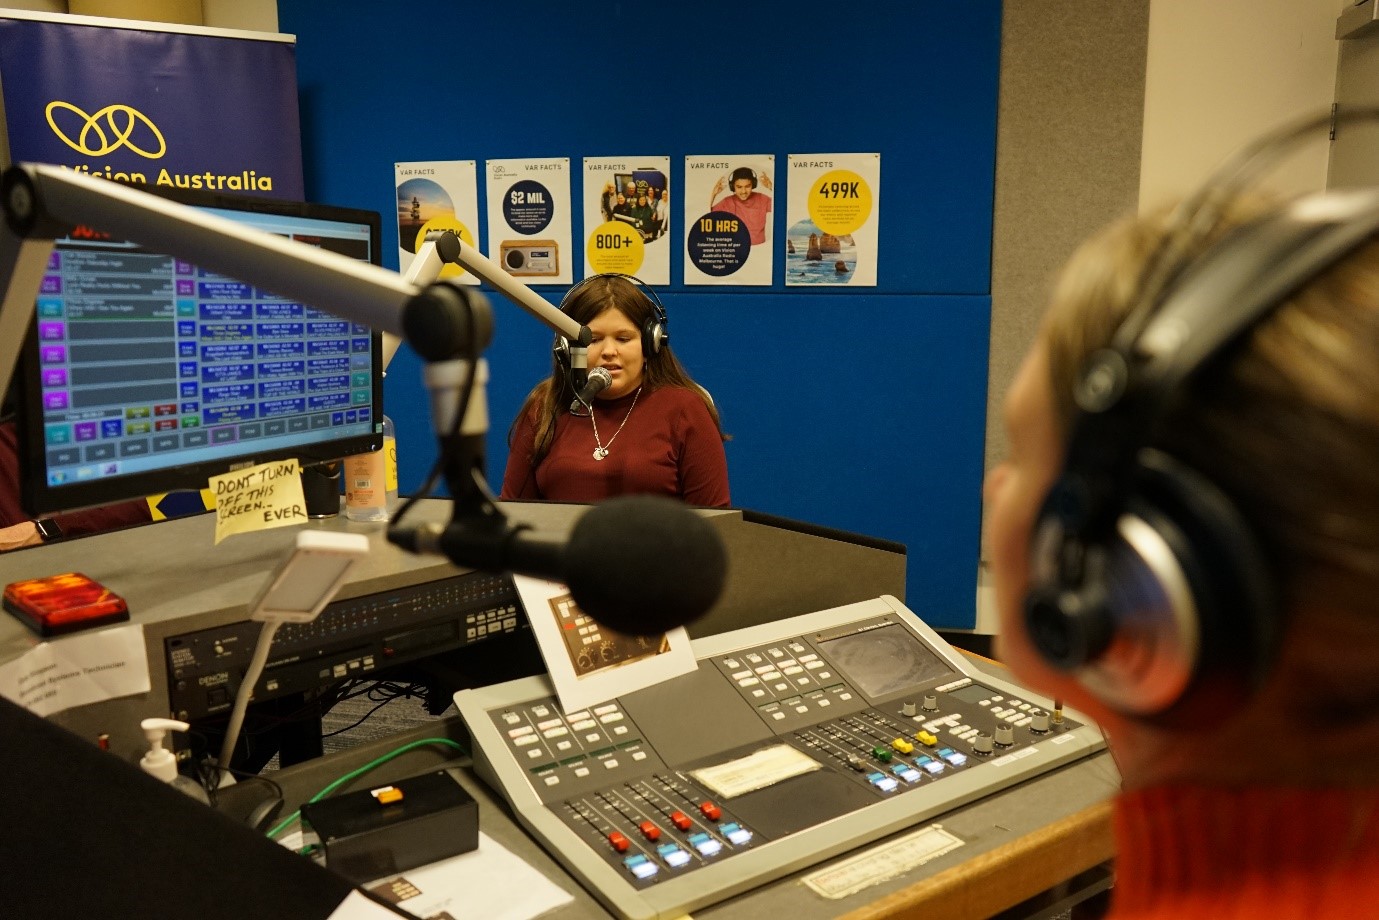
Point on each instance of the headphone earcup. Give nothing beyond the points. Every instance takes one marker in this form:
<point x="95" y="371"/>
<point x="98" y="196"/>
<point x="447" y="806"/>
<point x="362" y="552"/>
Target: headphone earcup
<point x="1176" y="615"/>
<point x="654" y="337"/>
<point x="560" y="350"/>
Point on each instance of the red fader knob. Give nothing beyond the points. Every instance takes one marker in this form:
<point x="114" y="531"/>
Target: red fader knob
<point x="710" y="811"/>
<point x="681" y="820"/>
<point x="649" y="830"/>
<point x="619" y="842"/>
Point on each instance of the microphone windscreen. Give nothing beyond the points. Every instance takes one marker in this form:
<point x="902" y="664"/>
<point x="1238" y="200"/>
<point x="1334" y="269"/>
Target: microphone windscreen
<point x="645" y="564"/>
<point x="599" y="380"/>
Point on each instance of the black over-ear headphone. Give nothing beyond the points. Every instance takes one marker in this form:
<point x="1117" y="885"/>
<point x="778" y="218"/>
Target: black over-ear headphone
<point x="1148" y="583"/>
<point x="742" y="172"/>
<point x="655" y="331"/>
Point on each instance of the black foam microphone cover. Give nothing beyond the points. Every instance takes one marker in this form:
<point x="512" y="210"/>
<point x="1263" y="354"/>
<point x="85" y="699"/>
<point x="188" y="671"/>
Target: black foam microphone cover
<point x="644" y="564"/>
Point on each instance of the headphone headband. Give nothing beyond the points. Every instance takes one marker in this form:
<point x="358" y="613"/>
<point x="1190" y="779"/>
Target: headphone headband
<point x="1149" y="583"/>
<point x="641" y="285"/>
<point x="1225" y="293"/>
<point x="655" y="332"/>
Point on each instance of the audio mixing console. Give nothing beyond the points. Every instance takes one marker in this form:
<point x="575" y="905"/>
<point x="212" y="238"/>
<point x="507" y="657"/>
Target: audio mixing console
<point x="792" y="742"/>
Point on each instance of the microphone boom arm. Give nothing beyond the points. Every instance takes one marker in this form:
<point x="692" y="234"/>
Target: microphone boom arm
<point x="445" y="324"/>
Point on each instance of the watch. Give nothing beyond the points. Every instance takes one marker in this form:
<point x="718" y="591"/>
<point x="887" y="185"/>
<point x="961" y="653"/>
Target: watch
<point x="48" y="529"/>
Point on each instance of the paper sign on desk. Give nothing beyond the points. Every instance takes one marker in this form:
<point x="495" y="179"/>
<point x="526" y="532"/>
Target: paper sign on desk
<point x="491" y="882"/>
<point x="258" y="498"/>
<point x="77" y="670"/>
<point x="589" y="663"/>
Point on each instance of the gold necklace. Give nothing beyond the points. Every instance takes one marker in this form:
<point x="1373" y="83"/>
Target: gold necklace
<point x="601" y="450"/>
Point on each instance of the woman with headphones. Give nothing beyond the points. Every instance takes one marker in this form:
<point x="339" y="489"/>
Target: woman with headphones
<point x="1185" y="546"/>
<point x="653" y="430"/>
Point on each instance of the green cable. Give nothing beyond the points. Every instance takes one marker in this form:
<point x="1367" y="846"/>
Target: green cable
<point x="353" y="774"/>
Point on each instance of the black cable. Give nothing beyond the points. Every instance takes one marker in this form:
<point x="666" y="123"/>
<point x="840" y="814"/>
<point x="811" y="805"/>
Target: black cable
<point x="466" y="393"/>
<point x="383" y="693"/>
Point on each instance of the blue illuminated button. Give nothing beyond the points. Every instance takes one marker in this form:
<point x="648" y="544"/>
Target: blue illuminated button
<point x="955" y="758"/>
<point x="906" y="772"/>
<point x="929" y="765"/>
<point x="673" y="855"/>
<point x="736" y="833"/>
<point x="881" y="781"/>
<point x="705" y="844"/>
<point x="640" y="866"/>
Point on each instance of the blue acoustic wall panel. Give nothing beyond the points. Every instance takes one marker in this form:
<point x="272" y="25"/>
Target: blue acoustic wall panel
<point x="862" y="408"/>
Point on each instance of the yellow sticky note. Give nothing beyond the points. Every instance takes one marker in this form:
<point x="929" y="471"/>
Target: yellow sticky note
<point x="258" y="498"/>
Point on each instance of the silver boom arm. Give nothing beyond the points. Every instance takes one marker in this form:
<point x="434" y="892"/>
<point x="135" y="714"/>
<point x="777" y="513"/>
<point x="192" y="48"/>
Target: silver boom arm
<point x="42" y="203"/>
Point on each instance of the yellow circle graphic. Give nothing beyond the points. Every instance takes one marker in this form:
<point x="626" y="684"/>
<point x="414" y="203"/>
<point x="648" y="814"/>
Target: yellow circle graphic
<point x="615" y="247"/>
<point x="121" y="129"/>
<point x="446" y="222"/>
<point x="840" y="202"/>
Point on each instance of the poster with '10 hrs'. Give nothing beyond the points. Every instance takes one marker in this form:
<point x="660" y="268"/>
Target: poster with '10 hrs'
<point x="729" y="210"/>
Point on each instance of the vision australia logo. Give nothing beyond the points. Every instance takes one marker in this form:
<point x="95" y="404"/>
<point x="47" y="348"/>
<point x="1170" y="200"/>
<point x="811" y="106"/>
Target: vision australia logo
<point x="105" y="131"/>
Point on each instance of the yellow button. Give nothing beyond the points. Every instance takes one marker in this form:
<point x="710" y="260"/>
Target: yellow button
<point x="387" y="795"/>
<point x="926" y="738"/>
<point x="903" y="746"/>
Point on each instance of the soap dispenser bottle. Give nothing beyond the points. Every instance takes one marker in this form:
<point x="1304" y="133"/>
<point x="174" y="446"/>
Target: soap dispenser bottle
<point x="158" y="761"/>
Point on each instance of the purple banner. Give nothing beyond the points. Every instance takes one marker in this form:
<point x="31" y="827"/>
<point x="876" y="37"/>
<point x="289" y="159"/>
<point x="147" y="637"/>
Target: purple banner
<point x="164" y="108"/>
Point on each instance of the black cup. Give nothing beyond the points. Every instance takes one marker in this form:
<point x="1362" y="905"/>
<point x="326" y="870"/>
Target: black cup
<point x="321" y="488"/>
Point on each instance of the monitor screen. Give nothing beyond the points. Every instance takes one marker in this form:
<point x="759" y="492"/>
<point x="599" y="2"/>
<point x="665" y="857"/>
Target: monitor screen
<point x="144" y="374"/>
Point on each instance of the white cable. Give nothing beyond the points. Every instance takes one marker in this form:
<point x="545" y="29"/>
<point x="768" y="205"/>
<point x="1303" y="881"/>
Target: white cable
<point x="296" y="592"/>
<point x="246" y="691"/>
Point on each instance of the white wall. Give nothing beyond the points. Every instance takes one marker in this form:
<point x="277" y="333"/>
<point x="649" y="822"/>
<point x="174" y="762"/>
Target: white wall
<point x="1221" y="72"/>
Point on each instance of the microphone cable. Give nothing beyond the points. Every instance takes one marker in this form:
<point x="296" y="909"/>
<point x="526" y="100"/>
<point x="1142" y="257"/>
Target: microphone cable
<point x="452" y="437"/>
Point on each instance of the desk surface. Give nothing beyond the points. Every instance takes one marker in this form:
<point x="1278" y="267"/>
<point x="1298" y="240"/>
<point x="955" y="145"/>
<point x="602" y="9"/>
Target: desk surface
<point x="177" y="581"/>
<point x="1017" y="843"/>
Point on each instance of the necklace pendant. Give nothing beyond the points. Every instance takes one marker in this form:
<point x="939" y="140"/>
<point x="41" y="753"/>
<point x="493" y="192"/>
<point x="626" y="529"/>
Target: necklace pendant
<point x="600" y="453"/>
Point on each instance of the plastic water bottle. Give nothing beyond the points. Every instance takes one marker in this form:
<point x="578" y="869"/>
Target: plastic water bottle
<point x="390" y="454"/>
<point x="366" y="481"/>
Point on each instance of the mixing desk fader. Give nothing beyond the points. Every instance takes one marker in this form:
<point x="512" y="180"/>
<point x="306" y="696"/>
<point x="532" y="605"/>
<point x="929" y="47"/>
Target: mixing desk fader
<point x="792" y="742"/>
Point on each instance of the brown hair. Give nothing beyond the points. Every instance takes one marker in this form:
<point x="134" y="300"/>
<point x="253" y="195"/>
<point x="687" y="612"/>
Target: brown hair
<point x="1287" y="424"/>
<point x="588" y="300"/>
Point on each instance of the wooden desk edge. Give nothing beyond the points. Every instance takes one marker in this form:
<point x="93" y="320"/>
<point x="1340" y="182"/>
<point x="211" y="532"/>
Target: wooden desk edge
<point x="989" y="883"/>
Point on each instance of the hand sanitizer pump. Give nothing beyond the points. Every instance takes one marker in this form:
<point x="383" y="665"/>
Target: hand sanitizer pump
<point x="158" y="761"/>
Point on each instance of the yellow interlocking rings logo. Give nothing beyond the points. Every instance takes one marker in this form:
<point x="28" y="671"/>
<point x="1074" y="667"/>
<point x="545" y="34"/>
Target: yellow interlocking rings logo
<point x="122" y="121"/>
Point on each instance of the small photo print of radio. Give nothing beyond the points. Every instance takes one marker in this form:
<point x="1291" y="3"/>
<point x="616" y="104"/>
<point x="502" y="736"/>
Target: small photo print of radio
<point x="530" y="258"/>
<point x="592" y="647"/>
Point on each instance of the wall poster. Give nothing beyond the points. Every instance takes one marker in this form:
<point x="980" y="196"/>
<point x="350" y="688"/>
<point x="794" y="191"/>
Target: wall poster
<point x="627" y="217"/>
<point x="831" y="219"/>
<point x="436" y="195"/>
<point x="730" y="209"/>
<point x="529" y="232"/>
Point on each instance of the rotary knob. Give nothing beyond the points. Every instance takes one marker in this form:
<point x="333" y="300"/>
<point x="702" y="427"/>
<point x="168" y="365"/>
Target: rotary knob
<point x="907" y="708"/>
<point x="1005" y="735"/>
<point x="1039" y="723"/>
<point x="931" y="702"/>
<point x="982" y="743"/>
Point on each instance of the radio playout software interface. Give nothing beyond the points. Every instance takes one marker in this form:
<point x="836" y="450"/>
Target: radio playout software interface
<point x="145" y="373"/>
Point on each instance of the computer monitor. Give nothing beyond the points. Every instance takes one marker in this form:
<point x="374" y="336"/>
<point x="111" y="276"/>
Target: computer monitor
<point x="144" y="374"/>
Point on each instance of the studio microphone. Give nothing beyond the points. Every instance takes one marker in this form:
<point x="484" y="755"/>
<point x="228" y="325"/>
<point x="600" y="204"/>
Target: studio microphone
<point x="599" y="380"/>
<point x="640" y="564"/>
